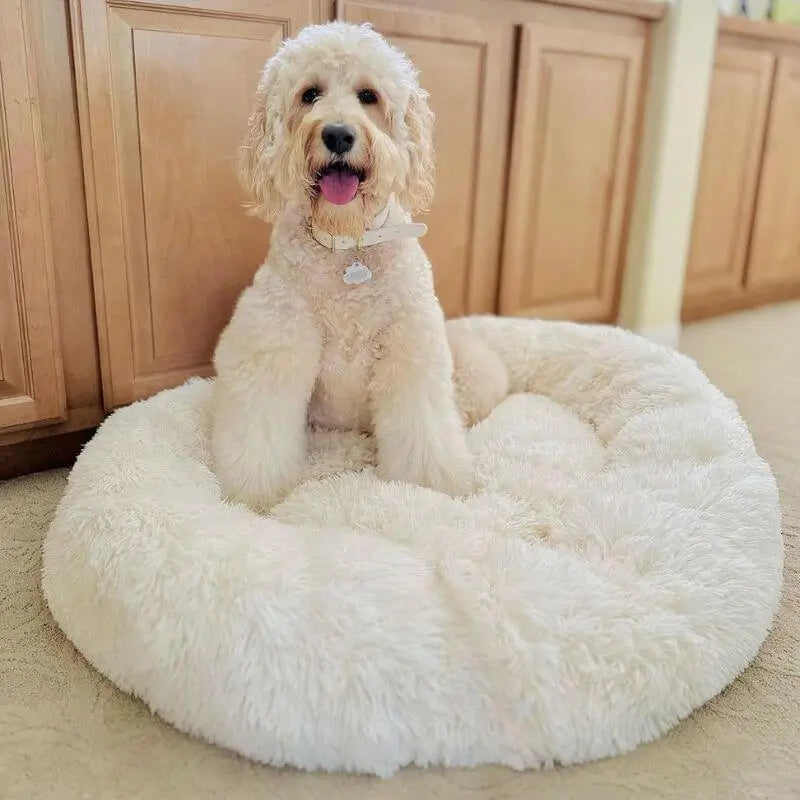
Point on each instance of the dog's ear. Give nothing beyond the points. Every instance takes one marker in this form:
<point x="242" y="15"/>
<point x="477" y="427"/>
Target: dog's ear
<point x="259" y="153"/>
<point x="417" y="193"/>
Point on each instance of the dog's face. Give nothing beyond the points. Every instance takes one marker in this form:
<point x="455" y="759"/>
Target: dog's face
<point x="340" y="124"/>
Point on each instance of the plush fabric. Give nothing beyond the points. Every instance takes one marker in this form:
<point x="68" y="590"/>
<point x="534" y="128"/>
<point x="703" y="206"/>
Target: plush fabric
<point x="619" y="565"/>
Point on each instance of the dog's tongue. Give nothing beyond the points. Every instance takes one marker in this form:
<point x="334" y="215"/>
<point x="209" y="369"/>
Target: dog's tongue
<point x="338" y="186"/>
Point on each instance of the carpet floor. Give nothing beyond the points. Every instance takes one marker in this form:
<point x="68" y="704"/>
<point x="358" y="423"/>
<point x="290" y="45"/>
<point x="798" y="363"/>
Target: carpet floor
<point x="66" y="732"/>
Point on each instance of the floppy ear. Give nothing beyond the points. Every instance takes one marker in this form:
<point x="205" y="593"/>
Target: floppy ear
<point x="417" y="193"/>
<point x="259" y="153"/>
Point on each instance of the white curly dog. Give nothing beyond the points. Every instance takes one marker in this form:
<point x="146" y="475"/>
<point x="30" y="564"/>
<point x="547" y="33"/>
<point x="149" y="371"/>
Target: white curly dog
<point x="341" y="328"/>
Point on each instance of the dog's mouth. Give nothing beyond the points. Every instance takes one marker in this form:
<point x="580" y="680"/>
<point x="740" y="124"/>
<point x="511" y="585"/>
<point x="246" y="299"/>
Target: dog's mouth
<point x="338" y="183"/>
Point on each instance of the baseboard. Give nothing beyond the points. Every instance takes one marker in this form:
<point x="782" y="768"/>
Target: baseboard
<point x="77" y="419"/>
<point x="40" y="454"/>
<point x="669" y="334"/>
<point x="717" y="303"/>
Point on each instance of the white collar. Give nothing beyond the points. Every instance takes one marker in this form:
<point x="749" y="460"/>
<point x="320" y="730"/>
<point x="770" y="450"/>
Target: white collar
<point x="378" y="233"/>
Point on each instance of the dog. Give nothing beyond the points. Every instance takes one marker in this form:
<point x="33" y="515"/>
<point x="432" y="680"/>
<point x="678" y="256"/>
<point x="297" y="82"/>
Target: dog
<point x="341" y="328"/>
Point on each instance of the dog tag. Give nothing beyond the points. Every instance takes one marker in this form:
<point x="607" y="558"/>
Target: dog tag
<point x="357" y="273"/>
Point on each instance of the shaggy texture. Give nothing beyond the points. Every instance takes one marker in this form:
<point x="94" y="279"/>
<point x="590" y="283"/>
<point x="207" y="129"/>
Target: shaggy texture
<point x="619" y="565"/>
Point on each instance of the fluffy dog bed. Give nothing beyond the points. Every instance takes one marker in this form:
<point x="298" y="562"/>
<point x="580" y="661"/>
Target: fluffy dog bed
<point x="619" y="565"/>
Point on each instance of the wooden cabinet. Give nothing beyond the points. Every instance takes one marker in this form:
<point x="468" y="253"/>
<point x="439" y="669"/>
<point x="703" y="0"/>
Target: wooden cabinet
<point x="31" y="374"/>
<point x="775" y="253"/>
<point x="123" y="241"/>
<point x="745" y="246"/>
<point x="50" y="380"/>
<point x="465" y="64"/>
<point x="577" y="108"/>
<point x="168" y="89"/>
<point x="737" y="111"/>
<point x="577" y="100"/>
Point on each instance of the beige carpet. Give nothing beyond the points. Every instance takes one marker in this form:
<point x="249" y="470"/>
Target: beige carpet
<point x="65" y="732"/>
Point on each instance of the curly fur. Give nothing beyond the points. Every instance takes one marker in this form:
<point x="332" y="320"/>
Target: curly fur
<point x="303" y="346"/>
<point x="282" y="147"/>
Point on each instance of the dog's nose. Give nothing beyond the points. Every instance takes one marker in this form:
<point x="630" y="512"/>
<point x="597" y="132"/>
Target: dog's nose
<point x="338" y="138"/>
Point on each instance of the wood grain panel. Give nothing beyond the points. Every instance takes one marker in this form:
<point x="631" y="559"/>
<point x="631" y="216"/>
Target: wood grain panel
<point x="576" y="115"/>
<point x="734" y="137"/>
<point x="775" y="250"/>
<point x="185" y="184"/>
<point x="169" y="88"/>
<point x="67" y="209"/>
<point x="465" y="65"/>
<point x="31" y="380"/>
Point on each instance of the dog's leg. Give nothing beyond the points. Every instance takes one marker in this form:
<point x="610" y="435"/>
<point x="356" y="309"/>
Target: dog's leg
<point x="267" y="362"/>
<point x="479" y="376"/>
<point x="417" y="426"/>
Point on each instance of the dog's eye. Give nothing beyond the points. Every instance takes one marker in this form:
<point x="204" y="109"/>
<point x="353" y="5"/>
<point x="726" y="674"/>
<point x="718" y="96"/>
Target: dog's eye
<point x="367" y="97"/>
<point x="311" y="94"/>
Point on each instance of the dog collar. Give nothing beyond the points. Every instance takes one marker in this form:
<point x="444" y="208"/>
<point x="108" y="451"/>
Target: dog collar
<point x="389" y="233"/>
<point x="378" y="233"/>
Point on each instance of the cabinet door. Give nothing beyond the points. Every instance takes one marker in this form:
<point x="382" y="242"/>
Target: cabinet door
<point x="578" y="95"/>
<point x="775" y="251"/>
<point x="31" y="382"/>
<point x="465" y="65"/>
<point x="168" y="87"/>
<point x="734" y="137"/>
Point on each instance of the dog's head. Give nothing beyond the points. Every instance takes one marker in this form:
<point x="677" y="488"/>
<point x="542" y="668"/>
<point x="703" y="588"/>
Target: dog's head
<point x="340" y="124"/>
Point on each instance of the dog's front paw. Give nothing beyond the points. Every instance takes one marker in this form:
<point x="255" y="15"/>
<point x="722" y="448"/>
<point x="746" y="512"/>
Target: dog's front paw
<point x="258" y="488"/>
<point x="456" y="478"/>
<point x="448" y="472"/>
<point x="259" y="499"/>
<point x="257" y="466"/>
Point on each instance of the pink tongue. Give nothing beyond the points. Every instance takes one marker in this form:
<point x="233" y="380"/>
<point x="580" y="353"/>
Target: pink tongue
<point x="338" y="187"/>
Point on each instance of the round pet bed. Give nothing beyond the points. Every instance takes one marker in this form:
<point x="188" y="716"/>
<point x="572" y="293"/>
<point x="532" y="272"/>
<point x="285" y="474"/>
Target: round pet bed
<point x="618" y="566"/>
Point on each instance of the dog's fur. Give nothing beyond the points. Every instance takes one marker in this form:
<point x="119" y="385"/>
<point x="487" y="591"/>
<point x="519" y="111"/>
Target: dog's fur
<point x="305" y="347"/>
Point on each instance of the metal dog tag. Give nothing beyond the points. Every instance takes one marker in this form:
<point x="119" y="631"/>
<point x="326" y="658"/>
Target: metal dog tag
<point x="357" y="273"/>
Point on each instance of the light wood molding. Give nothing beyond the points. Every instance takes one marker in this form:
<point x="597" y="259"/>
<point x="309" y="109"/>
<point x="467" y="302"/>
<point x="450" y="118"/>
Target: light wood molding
<point x="597" y="12"/>
<point x="471" y="136"/>
<point x="734" y="139"/>
<point x="577" y="111"/>
<point x="644" y="9"/>
<point x="522" y="12"/>
<point x="168" y="88"/>
<point x="764" y="31"/>
<point x="31" y="379"/>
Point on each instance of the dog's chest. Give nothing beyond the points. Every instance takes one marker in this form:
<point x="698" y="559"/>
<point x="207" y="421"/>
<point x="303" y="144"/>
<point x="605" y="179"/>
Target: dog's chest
<point x="351" y="319"/>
